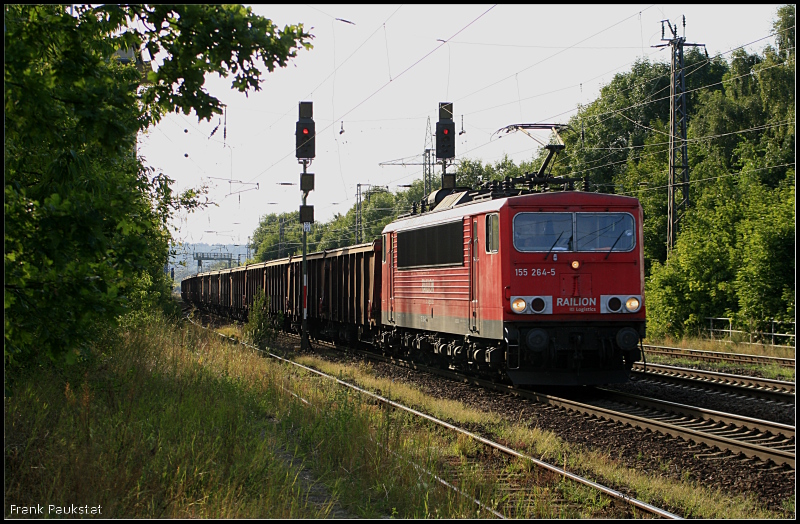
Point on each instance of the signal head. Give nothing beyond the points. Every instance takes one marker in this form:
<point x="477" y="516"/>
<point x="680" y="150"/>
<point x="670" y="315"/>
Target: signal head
<point x="304" y="132"/>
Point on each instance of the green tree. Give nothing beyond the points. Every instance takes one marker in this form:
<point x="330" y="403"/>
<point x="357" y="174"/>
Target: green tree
<point x="764" y="280"/>
<point x="86" y="221"/>
<point x="735" y="252"/>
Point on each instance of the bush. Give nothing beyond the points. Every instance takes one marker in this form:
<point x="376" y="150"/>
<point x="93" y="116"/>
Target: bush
<point x="260" y="328"/>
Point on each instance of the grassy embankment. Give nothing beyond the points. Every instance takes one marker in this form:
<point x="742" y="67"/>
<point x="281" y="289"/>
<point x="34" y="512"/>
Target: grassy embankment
<point x="171" y="422"/>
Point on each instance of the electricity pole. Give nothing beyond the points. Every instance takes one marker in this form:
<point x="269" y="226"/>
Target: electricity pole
<point x="678" y="184"/>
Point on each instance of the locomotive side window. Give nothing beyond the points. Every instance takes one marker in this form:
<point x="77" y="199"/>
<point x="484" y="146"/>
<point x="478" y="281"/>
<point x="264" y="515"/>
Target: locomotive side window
<point x="492" y="233"/>
<point x="543" y="232"/>
<point x="384" y="249"/>
<point x="605" y="232"/>
<point x="439" y="245"/>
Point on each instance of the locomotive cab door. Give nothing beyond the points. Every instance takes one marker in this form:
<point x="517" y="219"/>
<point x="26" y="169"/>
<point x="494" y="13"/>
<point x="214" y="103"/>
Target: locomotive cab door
<point x="390" y="254"/>
<point x="474" y="278"/>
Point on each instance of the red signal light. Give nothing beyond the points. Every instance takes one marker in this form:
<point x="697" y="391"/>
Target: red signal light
<point x="446" y="131"/>
<point x="305" y="130"/>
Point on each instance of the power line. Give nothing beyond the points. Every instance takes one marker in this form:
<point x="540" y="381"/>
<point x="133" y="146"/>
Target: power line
<point x="551" y="56"/>
<point x="710" y="178"/>
<point x="612" y="112"/>
<point x="341" y="117"/>
<point x="329" y="75"/>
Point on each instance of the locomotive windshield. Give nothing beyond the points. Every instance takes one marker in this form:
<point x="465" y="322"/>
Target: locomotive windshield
<point x="543" y="231"/>
<point x="605" y="232"/>
<point x="574" y="232"/>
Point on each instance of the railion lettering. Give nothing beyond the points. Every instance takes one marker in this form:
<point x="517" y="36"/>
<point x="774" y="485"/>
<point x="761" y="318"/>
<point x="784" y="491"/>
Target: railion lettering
<point x="576" y="301"/>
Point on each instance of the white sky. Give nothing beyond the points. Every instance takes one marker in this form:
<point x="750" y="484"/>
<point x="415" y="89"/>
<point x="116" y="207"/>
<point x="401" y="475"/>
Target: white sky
<point x="382" y="76"/>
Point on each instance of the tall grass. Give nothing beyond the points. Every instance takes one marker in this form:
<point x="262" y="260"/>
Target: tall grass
<point x="146" y="430"/>
<point x="168" y="422"/>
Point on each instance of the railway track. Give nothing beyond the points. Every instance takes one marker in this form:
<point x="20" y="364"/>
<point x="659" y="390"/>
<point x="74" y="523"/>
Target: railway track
<point x="763" y="440"/>
<point x="758" y="439"/>
<point x="755" y="438"/>
<point x="513" y="485"/>
<point x="718" y="356"/>
<point x="763" y="388"/>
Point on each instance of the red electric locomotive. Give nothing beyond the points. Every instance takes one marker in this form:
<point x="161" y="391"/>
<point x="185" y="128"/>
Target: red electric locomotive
<point x="545" y="288"/>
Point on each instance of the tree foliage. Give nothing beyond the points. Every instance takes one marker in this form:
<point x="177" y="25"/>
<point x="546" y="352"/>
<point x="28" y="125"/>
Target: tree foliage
<point x="86" y="221"/>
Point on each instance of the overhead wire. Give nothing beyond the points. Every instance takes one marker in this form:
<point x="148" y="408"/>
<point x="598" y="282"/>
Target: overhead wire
<point x="602" y="114"/>
<point x="702" y="64"/>
<point x="288" y="111"/>
<point x="698" y="66"/>
<point x="469" y="95"/>
<point x="742" y="172"/>
<point x="381" y="88"/>
<point x="618" y="111"/>
<point x="642" y="146"/>
<point x="549" y="57"/>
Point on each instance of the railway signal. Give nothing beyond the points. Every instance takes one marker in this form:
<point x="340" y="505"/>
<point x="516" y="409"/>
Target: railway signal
<point x="306" y="215"/>
<point x="304" y="150"/>
<point x="307" y="182"/>
<point x="445" y="132"/>
<point x="446" y="142"/>
<point x="304" y="132"/>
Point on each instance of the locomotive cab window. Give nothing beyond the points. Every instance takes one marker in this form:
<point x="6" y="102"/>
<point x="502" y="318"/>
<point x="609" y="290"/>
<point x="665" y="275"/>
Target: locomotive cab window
<point x="492" y="233"/>
<point x="605" y="232"/>
<point x="543" y="232"/>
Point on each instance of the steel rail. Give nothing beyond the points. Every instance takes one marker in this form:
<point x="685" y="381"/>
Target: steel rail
<point x="718" y="356"/>
<point x="750" y="449"/>
<point x="706" y="414"/>
<point x="581" y="480"/>
<point x="777" y="390"/>
<point x="753" y="437"/>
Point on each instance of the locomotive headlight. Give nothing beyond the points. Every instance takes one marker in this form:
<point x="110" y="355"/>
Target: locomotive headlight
<point x="519" y="305"/>
<point x="575" y="264"/>
<point x="632" y="304"/>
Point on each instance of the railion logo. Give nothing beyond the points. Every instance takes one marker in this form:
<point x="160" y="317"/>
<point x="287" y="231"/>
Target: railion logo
<point x="576" y="301"/>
